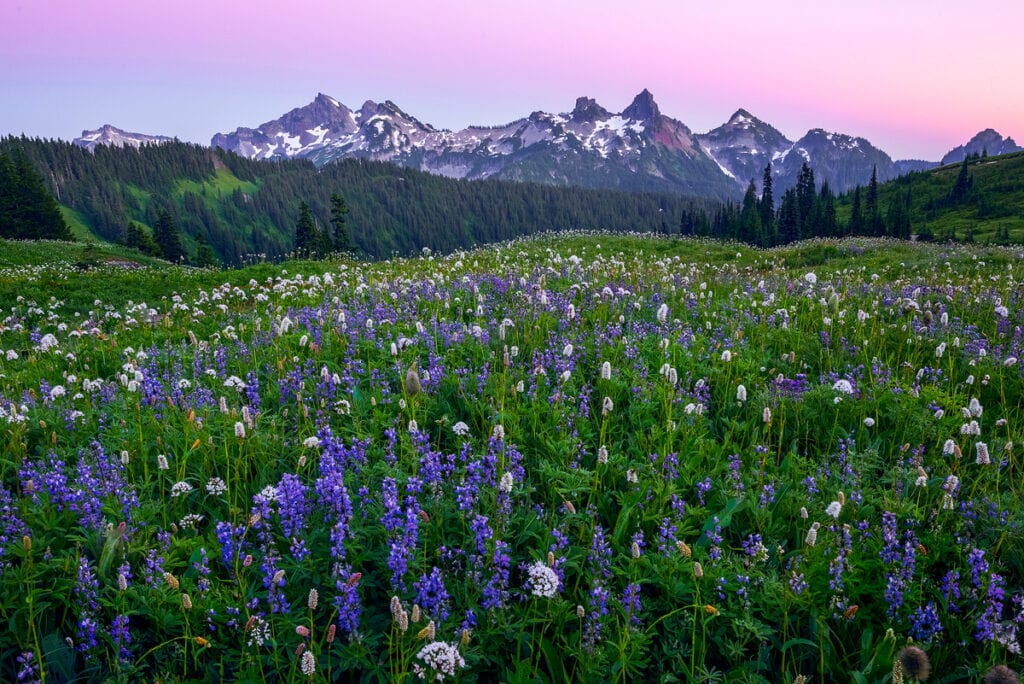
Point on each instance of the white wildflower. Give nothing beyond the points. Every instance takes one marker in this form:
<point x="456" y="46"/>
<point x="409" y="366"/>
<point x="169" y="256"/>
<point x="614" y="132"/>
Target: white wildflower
<point x="741" y="394"/>
<point x="663" y="313"/>
<point x="982" y="450"/>
<point x="843" y="386"/>
<point x="440" y="657"/>
<point x="726" y="356"/>
<point x="180" y="489"/>
<point x="606" y="371"/>
<point x="812" y="534"/>
<point x="869" y="422"/>
<point x="240" y="430"/>
<point x="811" y="278"/>
<point x="460" y="429"/>
<point x="215" y="486"/>
<point x="542" y="580"/>
<point x="311" y="442"/>
<point x="834" y="509"/>
<point x="308" y="663"/>
<point x="506" y="482"/>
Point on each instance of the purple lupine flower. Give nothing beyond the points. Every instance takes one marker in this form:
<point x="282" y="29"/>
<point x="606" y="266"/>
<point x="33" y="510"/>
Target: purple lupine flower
<point x="28" y="668"/>
<point x="432" y="596"/>
<point x="350" y="610"/>
<point x="631" y="604"/>
<point x="122" y="637"/>
<point x="597" y="608"/>
<point x="292" y="510"/>
<point x="979" y="566"/>
<point x="496" y="591"/>
<point x="988" y="627"/>
<point x="702" y="489"/>
<point x="599" y="558"/>
<point x="667" y="537"/>
<point x="925" y="623"/>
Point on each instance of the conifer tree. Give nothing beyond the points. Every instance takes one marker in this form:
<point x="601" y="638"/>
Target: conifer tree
<point x="874" y="214"/>
<point x="805" y="198"/>
<point x="750" y="219"/>
<point x="307" y="240"/>
<point x="766" y="207"/>
<point x="339" y="211"/>
<point x="856" y="224"/>
<point x="167" y="238"/>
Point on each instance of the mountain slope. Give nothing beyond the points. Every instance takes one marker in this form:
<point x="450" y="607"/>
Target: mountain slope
<point x="744" y="145"/>
<point x="638" y="149"/>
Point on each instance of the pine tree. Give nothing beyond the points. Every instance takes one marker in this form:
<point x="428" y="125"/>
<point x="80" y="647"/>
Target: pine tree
<point x="339" y="209"/>
<point x="805" y="199"/>
<point x="306" y="239"/>
<point x="962" y="186"/>
<point x="27" y="209"/>
<point x="767" y="205"/>
<point x="750" y="219"/>
<point x="829" y="224"/>
<point x="789" y="217"/>
<point x="856" y="224"/>
<point x="167" y="238"/>
<point x="874" y="214"/>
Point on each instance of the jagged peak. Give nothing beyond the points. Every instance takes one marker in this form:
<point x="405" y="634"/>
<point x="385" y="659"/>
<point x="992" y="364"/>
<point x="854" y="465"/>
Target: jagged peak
<point x="327" y="99"/>
<point x="587" y="109"/>
<point x="643" y="107"/>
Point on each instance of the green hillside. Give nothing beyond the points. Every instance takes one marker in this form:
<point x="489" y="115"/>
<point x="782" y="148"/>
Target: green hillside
<point x="990" y="207"/>
<point x="242" y="207"/>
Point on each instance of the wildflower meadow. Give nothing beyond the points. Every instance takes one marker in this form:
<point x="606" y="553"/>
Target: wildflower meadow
<point x="565" y="459"/>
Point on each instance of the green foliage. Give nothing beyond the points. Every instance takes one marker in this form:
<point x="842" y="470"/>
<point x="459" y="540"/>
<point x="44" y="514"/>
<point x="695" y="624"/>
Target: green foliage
<point x="27" y="210"/>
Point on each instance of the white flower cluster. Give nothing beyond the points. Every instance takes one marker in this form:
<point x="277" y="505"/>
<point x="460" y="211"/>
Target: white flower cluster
<point x="542" y="580"/>
<point x="442" y="658"/>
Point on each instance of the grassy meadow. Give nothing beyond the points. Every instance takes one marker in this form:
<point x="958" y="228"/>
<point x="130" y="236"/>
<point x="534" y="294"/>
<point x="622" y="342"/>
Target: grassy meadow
<point x="573" y="458"/>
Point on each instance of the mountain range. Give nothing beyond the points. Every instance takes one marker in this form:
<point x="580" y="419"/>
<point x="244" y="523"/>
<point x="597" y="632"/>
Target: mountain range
<point x="637" y="149"/>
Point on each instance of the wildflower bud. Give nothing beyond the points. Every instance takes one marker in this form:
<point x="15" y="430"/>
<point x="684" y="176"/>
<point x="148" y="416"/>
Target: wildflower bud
<point x="635" y="551"/>
<point x="122" y="582"/>
<point x="800" y="679"/>
<point x="427" y="632"/>
<point x="412" y="381"/>
<point x="125" y="459"/>
<point x="607" y="406"/>
<point x="26" y="542"/>
<point x="464" y="641"/>
<point x="602" y="455"/>
<point x="249" y="623"/>
<point x="423" y="516"/>
<point x="240" y="430"/>
<point x="330" y="633"/>
<point x="580" y="612"/>
<point x="570" y="507"/>
<point x="766" y="415"/>
<point x="803" y="512"/>
<point x="684" y="549"/>
<point x="415" y="613"/>
<point x="201" y="642"/>
<point x="551" y="559"/>
<point x="841" y="498"/>
<point x="302" y="630"/>
<point x="710" y="609"/>
<point x="300" y="648"/>
<point x="186" y="602"/>
<point x="171" y="580"/>
<point x="396" y="606"/>
<point x="247" y="561"/>
<point x="278" y="577"/>
<point x="698" y="570"/>
<point x="812" y="535"/>
<point x="606" y="371"/>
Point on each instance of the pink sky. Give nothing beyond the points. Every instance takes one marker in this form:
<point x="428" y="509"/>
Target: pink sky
<point x="915" y="77"/>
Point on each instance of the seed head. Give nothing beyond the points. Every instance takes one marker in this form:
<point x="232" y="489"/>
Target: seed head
<point x="915" y="663"/>
<point x="412" y="381"/>
<point x="1000" y="674"/>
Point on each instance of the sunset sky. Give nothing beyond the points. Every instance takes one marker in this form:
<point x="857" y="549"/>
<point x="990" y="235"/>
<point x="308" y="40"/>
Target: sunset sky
<point x="915" y="77"/>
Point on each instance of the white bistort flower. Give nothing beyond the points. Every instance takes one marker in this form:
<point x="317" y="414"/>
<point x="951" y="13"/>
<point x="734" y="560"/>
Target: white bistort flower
<point x="440" y="657"/>
<point x="834" y="509"/>
<point x="542" y="581"/>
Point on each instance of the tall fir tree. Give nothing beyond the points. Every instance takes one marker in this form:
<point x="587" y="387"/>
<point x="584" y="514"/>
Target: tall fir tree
<point x="789" y="217"/>
<point x="307" y="240"/>
<point x="167" y="237"/>
<point x="766" y="207"/>
<point x="873" y="213"/>
<point x="339" y="214"/>
<point x="27" y="209"/>
<point x="856" y="224"/>
<point x="806" y="195"/>
<point x="750" y="219"/>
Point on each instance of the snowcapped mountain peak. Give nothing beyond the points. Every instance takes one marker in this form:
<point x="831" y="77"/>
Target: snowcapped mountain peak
<point x="111" y="135"/>
<point x="639" y="149"/>
<point x="643" y="107"/>
<point x="742" y="117"/>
